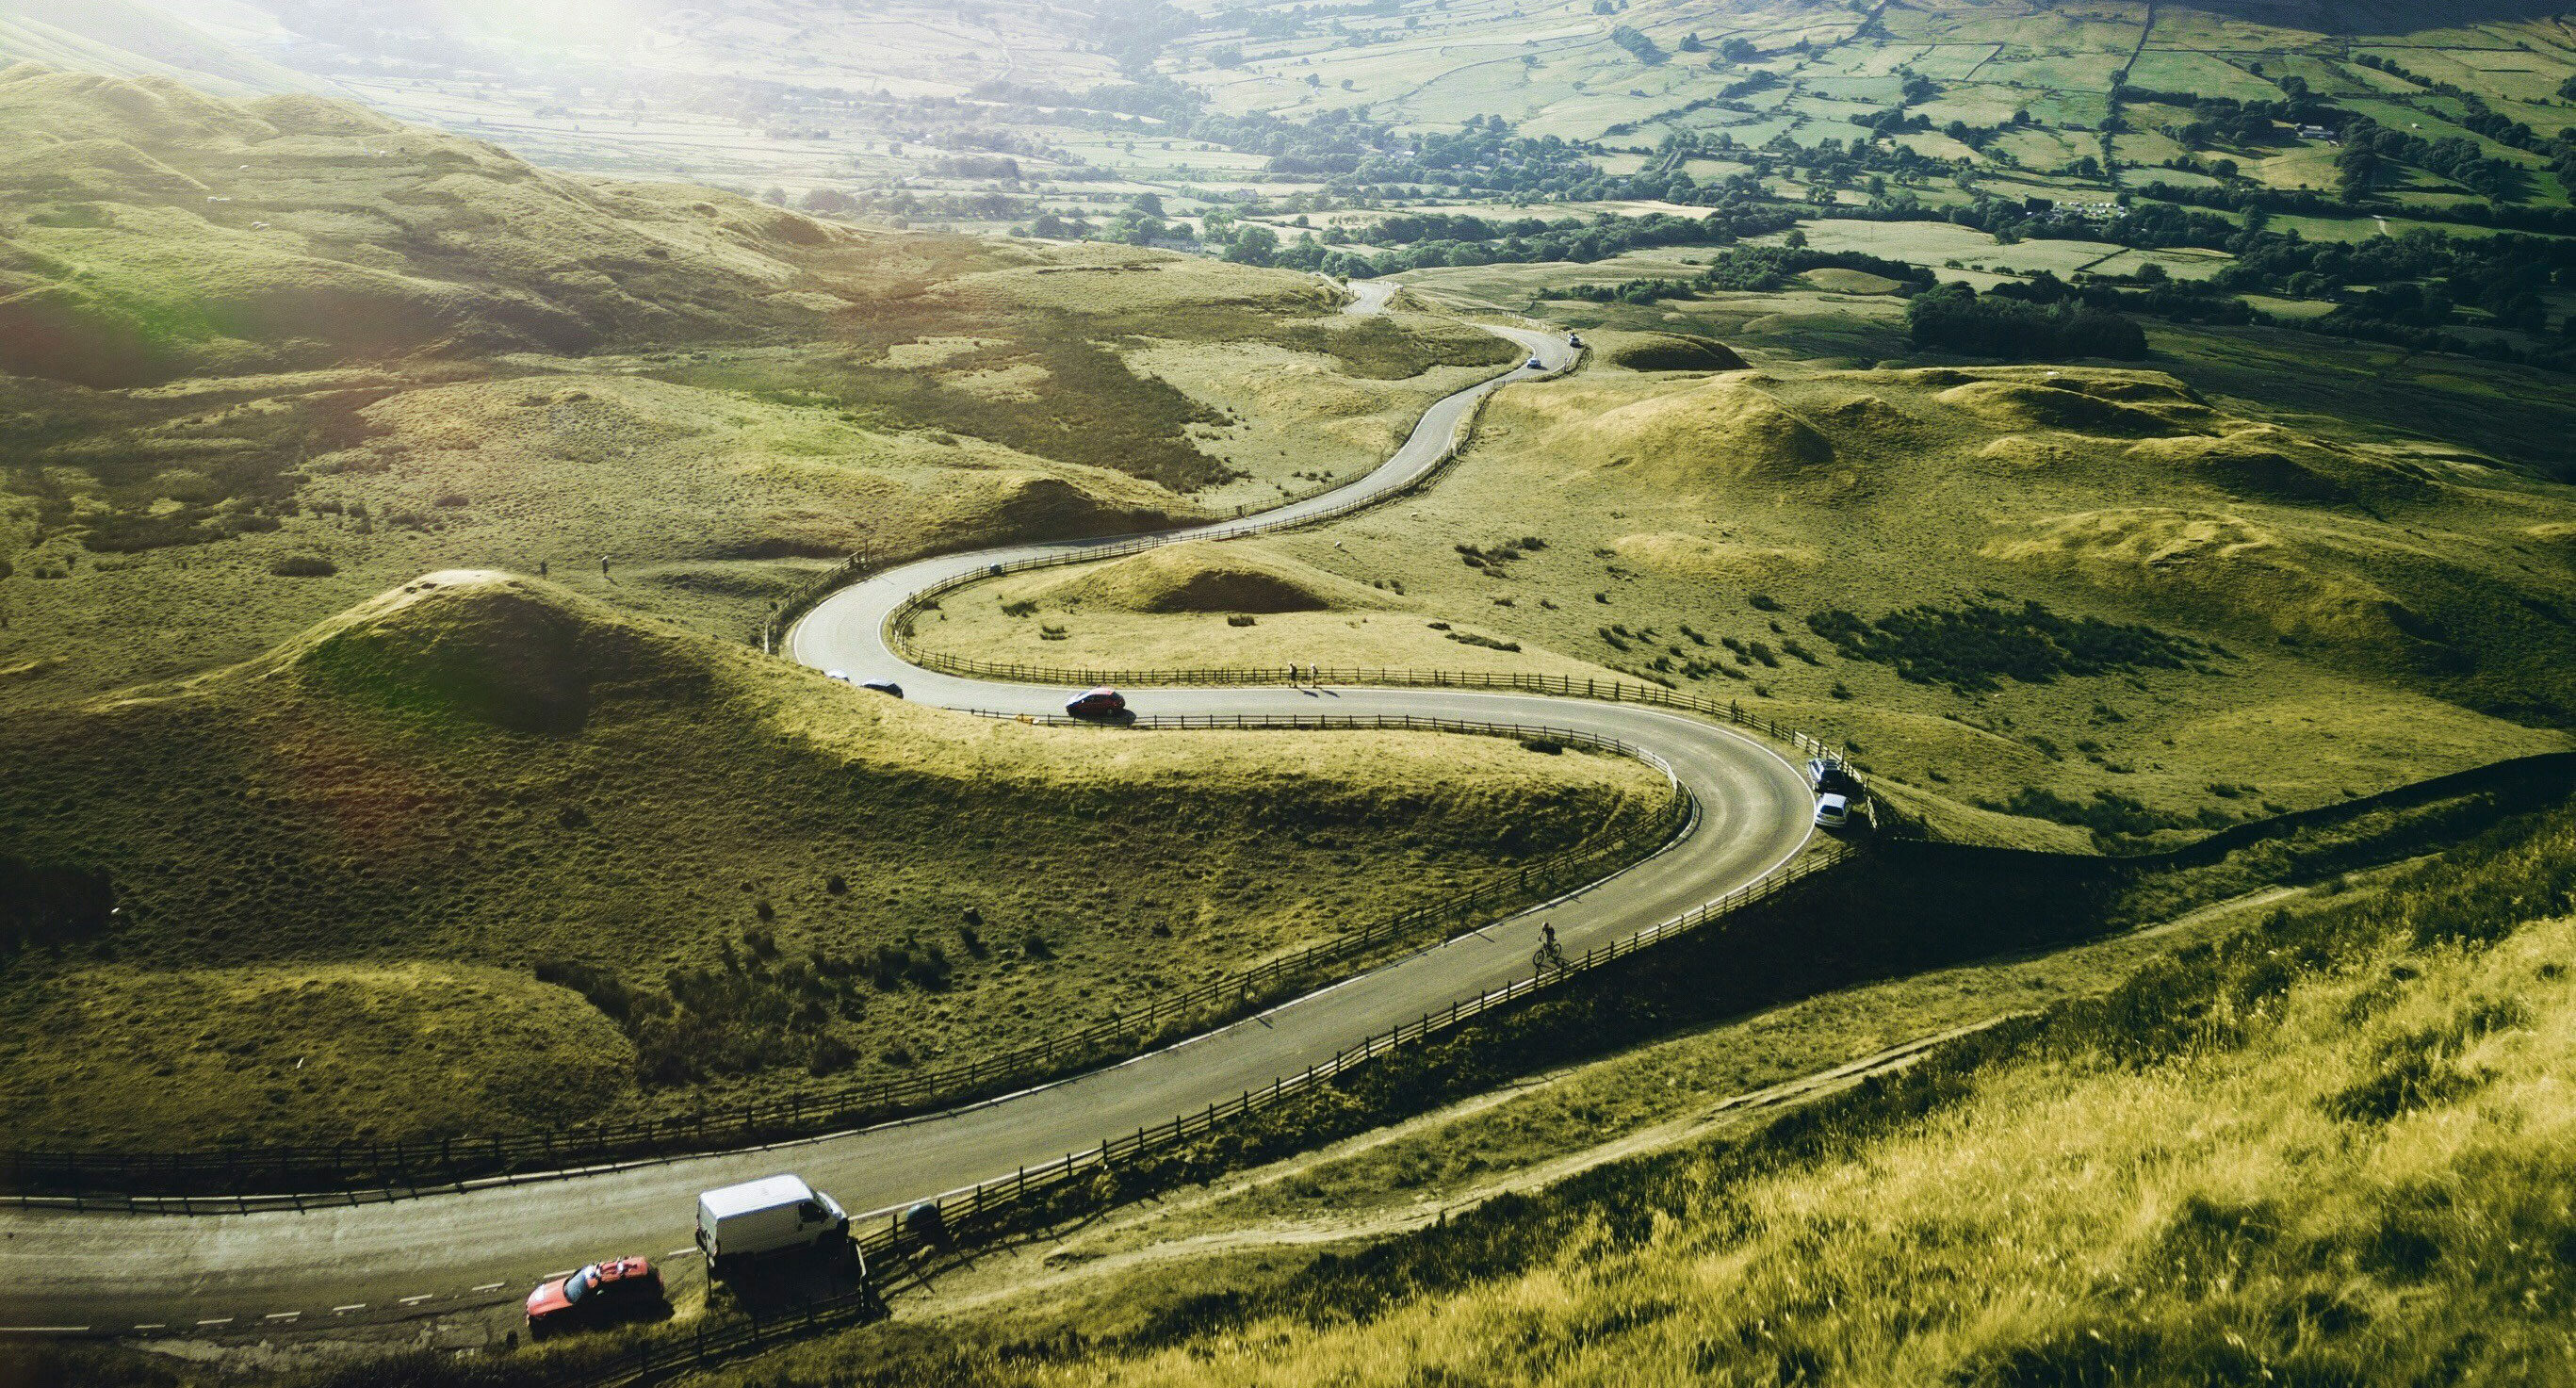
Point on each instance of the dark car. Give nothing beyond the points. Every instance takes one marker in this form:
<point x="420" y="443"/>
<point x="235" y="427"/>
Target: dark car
<point x="888" y="688"/>
<point x="1829" y="776"/>
<point x="1103" y="702"/>
<point x="600" y="1293"/>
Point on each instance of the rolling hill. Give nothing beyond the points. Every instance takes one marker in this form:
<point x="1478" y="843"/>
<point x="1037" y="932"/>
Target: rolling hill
<point x="337" y="865"/>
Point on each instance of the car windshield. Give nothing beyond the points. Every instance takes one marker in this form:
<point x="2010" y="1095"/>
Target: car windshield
<point x="581" y="1283"/>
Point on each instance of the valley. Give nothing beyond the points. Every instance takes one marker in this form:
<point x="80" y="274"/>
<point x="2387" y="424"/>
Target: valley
<point x="550" y="564"/>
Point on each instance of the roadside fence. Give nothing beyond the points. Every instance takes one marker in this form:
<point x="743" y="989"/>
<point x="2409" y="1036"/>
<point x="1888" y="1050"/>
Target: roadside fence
<point x="241" y="1179"/>
<point x="993" y="1209"/>
<point x="1560" y="686"/>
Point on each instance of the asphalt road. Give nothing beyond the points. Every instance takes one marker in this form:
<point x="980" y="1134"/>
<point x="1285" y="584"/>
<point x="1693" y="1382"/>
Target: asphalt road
<point x="230" y="1275"/>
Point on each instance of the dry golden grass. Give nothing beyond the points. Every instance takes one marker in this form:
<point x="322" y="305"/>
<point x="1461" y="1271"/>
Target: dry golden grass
<point x="2354" y="1175"/>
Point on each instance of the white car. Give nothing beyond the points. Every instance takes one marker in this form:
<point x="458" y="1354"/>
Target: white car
<point x="1833" y="811"/>
<point x="1536" y="365"/>
<point x="842" y="675"/>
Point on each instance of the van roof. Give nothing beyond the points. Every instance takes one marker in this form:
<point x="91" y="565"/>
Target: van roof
<point x="768" y="1192"/>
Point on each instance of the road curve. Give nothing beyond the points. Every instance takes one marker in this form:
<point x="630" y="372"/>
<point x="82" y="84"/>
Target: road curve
<point x="116" y="1272"/>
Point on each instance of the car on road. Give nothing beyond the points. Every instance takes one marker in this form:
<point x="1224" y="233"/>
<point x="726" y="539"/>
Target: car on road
<point x="1832" y="811"/>
<point x="1574" y="339"/>
<point x="616" y="1289"/>
<point x="775" y="1214"/>
<point x="842" y="675"/>
<point x="1536" y="365"/>
<point x="886" y="687"/>
<point x="1103" y="702"/>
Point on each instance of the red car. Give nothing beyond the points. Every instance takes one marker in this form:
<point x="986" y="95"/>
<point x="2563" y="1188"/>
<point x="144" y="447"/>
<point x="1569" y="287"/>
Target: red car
<point x="1103" y="702"/>
<point x="598" y="1293"/>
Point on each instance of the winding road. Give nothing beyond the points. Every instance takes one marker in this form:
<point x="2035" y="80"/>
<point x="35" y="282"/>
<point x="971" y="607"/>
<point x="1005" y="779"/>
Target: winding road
<point x="230" y="1274"/>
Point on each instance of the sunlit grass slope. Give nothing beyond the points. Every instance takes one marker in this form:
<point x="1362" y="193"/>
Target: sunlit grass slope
<point x="272" y="356"/>
<point x="2234" y="616"/>
<point x="2330" y="1148"/>
<point x="343" y="866"/>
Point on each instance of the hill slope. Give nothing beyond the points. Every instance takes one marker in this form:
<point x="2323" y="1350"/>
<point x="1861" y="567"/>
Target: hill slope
<point x="2230" y="614"/>
<point x="754" y="872"/>
<point x="2331" y="1146"/>
<point x="289" y="334"/>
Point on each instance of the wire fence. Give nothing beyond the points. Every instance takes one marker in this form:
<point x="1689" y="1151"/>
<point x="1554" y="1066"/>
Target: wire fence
<point x="241" y="1179"/>
<point x="987" y="1210"/>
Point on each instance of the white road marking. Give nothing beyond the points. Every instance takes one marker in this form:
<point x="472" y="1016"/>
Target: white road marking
<point x="416" y="1300"/>
<point x="491" y="1286"/>
<point x="153" y="1325"/>
<point x="567" y="1272"/>
<point x="352" y="1306"/>
<point x="281" y="1315"/>
<point x="219" y="1320"/>
<point x="679" y="1252"/>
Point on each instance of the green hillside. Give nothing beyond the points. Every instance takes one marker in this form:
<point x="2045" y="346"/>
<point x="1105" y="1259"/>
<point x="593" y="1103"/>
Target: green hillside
<point x="277" y="355"/>
<point x="2232" y="616"/>
<point x="2326" y="1144"/>
<point x="378" y="870"/>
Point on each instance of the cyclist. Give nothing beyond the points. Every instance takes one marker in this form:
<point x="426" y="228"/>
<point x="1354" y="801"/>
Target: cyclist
<point x="1550" y="955"/>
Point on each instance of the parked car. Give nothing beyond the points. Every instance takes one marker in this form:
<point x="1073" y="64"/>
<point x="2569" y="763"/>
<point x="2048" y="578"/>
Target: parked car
<point x="885" y="687"/>
<point x="596" y="1295"/>
<point x="1574" y="339"/>
<point x="842" y="675"/>
<point x="773" y="1215"/>
<point x="1103" y="702"/>
<point x="1832" y="812"/>
<point x="1831" y="775"/>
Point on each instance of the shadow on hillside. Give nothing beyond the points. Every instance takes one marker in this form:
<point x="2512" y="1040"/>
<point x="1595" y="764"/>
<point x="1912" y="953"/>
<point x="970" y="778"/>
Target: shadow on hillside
<point x="2378" y="17"/>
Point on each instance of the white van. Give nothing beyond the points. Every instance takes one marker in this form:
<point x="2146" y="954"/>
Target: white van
<point x="770" y="1215"/>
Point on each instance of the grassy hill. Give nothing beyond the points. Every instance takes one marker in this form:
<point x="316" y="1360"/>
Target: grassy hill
<point x="2328" y="1147"/>
<point x="435" y="824"/>
<point x="2233" y="615"/>
<point x="276" y="355"/>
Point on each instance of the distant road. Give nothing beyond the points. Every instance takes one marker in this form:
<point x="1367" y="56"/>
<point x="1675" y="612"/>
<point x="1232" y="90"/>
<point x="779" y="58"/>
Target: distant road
<point x="116" y="1272"/>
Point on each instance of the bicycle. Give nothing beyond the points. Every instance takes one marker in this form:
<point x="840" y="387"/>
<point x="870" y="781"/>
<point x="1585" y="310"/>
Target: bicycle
<point x="1550" y="957"/>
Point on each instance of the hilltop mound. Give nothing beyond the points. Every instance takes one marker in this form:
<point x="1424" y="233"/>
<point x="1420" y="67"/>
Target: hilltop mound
<point x="1670" y="352"/>
<point x="2265" y="461"/>
<point x="1726" y="428"/>
<point x="2221" y="566"/>
<point x="1037" y="506"/>
<point x="1206" y="576"/>
<point x="510" y="651"/>
<point x="2023" y="405"/>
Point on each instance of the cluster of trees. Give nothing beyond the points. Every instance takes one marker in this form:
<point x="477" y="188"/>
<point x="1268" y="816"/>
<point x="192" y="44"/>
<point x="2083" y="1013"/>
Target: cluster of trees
<point x="1757" y="269"/>
<point x="2372" y="152"/>
<point x="1955" y="318"/>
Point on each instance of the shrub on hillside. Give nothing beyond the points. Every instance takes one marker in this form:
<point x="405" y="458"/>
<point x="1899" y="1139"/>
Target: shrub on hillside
<point x="303" y="566"/>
